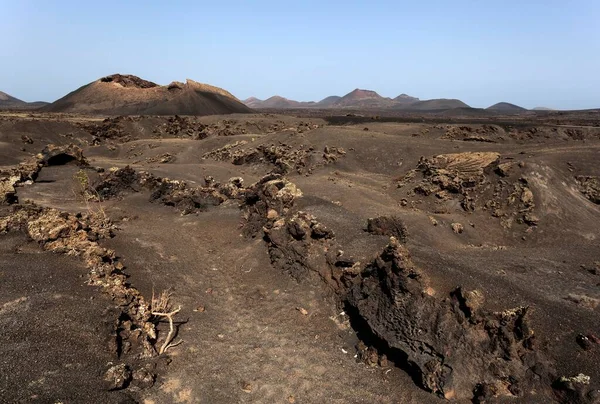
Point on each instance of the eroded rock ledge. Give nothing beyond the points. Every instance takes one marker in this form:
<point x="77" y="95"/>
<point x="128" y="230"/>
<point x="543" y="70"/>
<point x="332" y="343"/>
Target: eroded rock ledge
<point x="451" y="345"/>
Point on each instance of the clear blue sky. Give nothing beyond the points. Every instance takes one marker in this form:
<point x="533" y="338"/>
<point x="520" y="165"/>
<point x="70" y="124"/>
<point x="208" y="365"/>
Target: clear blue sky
<point x="532" y="53"/>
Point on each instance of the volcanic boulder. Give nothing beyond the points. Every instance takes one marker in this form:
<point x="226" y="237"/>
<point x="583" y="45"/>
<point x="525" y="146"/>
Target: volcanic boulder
<point x="450" y="344"/>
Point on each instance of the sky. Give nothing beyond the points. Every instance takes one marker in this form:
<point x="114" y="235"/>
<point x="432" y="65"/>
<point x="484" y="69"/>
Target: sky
<point x="531" y="53"/>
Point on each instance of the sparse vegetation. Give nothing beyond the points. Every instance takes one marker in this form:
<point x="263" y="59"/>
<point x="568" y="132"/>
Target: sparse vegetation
<point x="83" y="191"/>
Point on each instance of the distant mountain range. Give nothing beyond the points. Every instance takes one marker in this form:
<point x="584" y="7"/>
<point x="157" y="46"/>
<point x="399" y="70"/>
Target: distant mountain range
<point x="144" y="97"/>
<point x="359" y="99"/>
<point x="328" y="101"/>
<point x="10" y="102"/>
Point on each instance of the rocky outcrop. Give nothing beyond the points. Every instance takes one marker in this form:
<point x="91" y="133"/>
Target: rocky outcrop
<point x="291" y="242"/>
<point x="451" y="345"/>
<point x="12" y="177"/>
<point x="479" y="181"/>
<point x="590" y="187"/>
<point x="128" y="80"/>
<point x="388" y="226"/>
<point x="179" y="194"/>
<point x="283" y="158"/>
<point x="266" y="201"/>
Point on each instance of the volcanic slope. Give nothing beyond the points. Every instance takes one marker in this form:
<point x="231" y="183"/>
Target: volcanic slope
<point x="506" y="107"/>
<point x="130" y="95"/>
<point x="359" y="98"/>
<point x="438" y="104"/>
<point x="329" y="101"/>
<point x="406" y="99"/>
<point x="253" y="102"/>
<point x="9" y="102"/>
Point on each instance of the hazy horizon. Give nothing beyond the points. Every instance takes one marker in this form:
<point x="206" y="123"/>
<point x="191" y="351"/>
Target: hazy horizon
<point x="529" y="53"/>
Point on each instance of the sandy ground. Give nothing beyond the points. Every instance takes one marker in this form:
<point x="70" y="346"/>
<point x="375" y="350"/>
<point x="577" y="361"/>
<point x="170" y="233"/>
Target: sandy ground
<point x="250" y="331"/>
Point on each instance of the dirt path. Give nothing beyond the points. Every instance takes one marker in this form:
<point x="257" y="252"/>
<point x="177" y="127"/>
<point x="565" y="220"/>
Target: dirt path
<point x="251" y="343"/>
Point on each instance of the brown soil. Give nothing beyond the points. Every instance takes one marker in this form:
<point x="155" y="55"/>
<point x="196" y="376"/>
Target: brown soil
<point x="50" y="351"/>
<point x="313" y="262"/>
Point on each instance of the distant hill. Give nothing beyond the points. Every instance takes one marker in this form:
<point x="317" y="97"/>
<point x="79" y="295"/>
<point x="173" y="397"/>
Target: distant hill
<point x="363" y="99"/>
<point x="328" y="101"/>
<point x="438" y="104"/>
<point x="119" y="94"/>
<point x="465" y="112"/>
<point x="36" y="104"/>
<point x="277" y="102"/>
<point x="543" y="109"/>
<point x="406" y="99"/>
<point x="9" y="102"/>
<point x="252" y="102"/>
<point x="506" y="107"/>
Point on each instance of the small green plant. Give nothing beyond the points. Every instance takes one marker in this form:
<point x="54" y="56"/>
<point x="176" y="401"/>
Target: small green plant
<point x="82" y="183"/>
<point x="83" y="190"/>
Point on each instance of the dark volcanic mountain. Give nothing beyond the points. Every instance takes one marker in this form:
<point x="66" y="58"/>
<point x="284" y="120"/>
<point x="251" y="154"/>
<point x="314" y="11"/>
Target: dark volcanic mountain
<point x="277" y="102"/>
<point x="438" y="104"/>
<point x="329" y="101"/>
<point x="280" y="102"/>
<point x="363" y="99"/>
<point x="506" y="108"/>
<point x="10" y="102"/>
<point x="253" y="102"/>
<point x="406" y="99"/>
<point x="130" y="95"/>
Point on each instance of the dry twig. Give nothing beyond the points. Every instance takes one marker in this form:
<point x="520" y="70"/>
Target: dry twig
<point x="160" y="308"/>
<point x="167" y="344"/>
